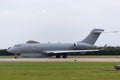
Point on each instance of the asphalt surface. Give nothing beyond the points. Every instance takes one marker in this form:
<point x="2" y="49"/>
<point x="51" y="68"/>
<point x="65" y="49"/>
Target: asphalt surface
<point x="60" y="60"/>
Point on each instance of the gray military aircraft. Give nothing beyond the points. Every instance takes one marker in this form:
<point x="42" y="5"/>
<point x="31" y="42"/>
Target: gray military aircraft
<point x="36" y="49"/>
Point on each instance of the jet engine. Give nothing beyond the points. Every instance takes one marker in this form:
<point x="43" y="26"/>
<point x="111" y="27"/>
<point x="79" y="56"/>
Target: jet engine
<point x="83" y="46"/>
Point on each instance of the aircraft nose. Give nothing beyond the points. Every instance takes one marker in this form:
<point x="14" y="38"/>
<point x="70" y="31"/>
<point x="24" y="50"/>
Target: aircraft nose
<point x="10" y="49"/>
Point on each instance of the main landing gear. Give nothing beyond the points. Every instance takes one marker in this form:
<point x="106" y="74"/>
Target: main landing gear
<point x="64" y="55"/>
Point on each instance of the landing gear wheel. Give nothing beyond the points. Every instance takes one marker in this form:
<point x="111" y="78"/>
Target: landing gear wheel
<point x="15" y="57"/>
<point x="58" y="56"/>
<point x="65" y="55"/>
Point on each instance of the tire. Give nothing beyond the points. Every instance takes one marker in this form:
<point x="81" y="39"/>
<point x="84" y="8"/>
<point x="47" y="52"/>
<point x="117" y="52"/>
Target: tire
<point x="65" y="55"/>
<point x="15" y="57"/>
<point x="58" y="55"/>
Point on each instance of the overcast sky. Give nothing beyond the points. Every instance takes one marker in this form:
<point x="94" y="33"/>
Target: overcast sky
<point x="58" y="20"/>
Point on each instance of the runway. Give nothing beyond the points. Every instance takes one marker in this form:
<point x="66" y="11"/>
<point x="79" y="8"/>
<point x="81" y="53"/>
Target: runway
<point x="60" y="60"/>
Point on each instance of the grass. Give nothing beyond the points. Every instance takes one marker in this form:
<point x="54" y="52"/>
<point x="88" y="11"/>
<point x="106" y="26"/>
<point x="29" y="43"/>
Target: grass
<point x="58" y="71"/>
<point x="6" y="56"/>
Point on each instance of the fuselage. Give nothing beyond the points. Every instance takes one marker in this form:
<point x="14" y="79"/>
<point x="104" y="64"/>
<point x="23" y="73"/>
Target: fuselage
<point x="39" y="49"/>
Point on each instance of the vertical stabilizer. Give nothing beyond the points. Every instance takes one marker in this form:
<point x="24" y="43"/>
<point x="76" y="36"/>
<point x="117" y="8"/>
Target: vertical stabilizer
<point x="93" y="36"/>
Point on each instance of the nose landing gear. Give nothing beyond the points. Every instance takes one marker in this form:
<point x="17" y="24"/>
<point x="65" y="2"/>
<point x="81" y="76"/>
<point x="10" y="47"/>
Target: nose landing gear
<point x="15" y="56"/>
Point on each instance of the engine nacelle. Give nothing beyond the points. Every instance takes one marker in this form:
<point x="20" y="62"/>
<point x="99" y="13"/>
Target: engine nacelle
<point x="83" y="46"/>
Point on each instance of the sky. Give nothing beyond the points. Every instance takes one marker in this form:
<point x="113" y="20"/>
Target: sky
<point x="58" y="21"/>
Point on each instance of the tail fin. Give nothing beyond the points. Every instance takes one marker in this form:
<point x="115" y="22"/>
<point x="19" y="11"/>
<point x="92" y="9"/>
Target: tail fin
<point x="93" y="36"/>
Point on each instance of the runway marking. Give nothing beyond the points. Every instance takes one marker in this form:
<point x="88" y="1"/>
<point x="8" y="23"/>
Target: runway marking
<point x="60" y="60"/>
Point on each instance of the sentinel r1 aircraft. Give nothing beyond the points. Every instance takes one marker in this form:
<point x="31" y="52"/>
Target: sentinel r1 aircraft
<point x="36" y="49"/>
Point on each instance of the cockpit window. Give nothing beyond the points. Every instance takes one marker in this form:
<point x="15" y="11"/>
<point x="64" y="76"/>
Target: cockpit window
<point x="9" y="47"/>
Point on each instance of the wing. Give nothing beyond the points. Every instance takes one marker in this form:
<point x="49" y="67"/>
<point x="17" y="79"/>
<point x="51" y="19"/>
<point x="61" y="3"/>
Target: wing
<point x="70" y="51"/>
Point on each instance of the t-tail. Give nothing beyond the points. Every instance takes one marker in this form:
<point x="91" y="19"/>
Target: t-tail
<point x="93" y="36"/>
